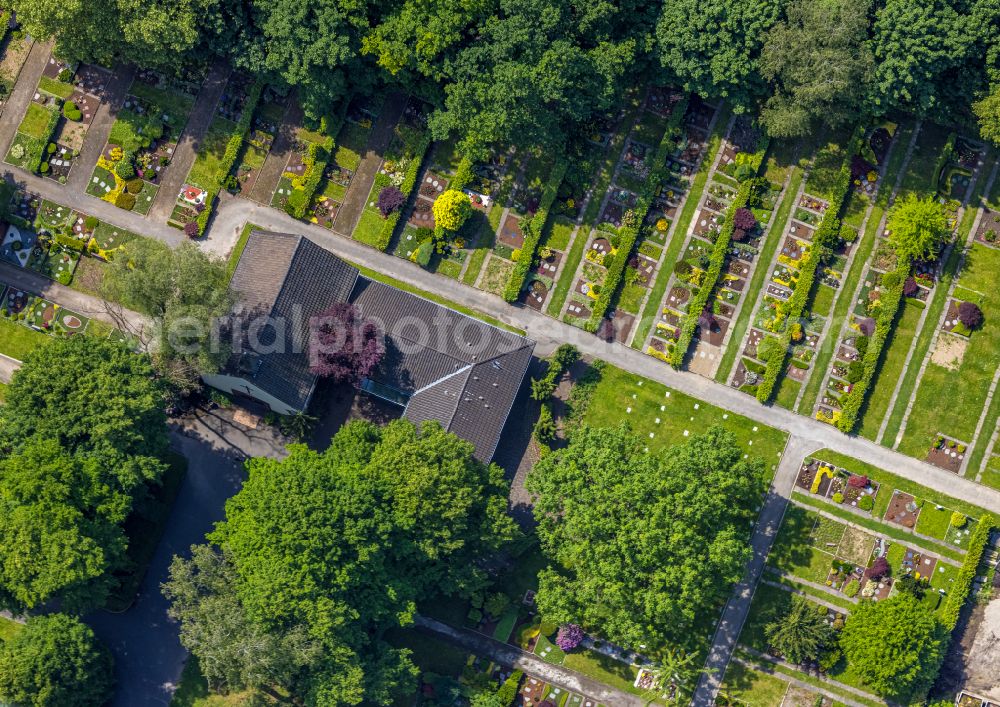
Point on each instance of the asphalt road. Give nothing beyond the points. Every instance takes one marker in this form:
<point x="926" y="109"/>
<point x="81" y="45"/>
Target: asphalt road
<point x="148" y="655"/>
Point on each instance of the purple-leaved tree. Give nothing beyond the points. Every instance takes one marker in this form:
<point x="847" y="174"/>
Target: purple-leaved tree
<point x="343" y="345"/>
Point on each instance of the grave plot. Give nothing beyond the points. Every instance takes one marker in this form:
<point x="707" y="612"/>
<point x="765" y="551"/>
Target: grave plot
<point x="41" y="315"/>
<point x="750" y="228"/>
<point x="141" y="143"/>
<point x="643" y="262"/>
<point x="14" y="48"/>
<point x="398" y="177"/>
<point x="82" y="94"/>
<point x="32" y="144"/>
<point x="921" y="292"/>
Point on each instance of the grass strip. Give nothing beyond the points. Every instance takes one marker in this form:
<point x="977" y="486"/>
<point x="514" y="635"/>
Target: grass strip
<point x="900" y="339"/>
<point x="760" y="275"/>
<point x="241" y="244"/>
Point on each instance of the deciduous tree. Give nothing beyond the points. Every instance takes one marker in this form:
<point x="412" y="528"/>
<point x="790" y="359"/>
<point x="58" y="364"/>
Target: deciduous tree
<point x="642" y="545"/>
<point x="917" y="227"/>
<point x="55" y="661"/>
<point x="343" y="544"/>
<point x="894" y="644"/>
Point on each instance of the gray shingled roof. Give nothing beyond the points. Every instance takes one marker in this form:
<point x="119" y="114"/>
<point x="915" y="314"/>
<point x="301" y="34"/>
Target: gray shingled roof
<point x="453" y="368"/>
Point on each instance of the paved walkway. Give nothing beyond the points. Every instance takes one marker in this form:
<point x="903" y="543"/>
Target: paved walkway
<point x="16" y="105"/>
<point x="148" y="654"/>
<point x="277" y="158"/>
<point x="184" y="153"/>
<point x="512" y="656"/>
<point x="7" y="367"/>
<point x="361" y="182"/>
<point x="87" y="305"/>
<point x="734" y="615"/>
<point x="811" y="596"/>
<point x="100" y="128"/>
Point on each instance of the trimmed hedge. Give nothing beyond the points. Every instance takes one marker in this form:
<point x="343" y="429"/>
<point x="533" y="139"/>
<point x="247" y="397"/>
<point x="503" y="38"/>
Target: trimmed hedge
<point x="409" y="183"/>
<point x="826" y="235"/>
<point x="962" y="585"/>
<point x="508" y="691"/>
<point x="892" y="298"/>
<point x="463" y="174"/>
<point x="944" y="158"/>
<point x="629" y="236"/>
<point x="316" y="160"/>
<point x="717" y="261"/>
<point x="533" y="230"/>
<point x="233" y="148"/>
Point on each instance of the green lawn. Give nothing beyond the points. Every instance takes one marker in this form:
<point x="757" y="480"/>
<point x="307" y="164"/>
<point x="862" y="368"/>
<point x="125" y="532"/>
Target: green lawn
<point x="825" y="172"/>
<point x="665" y="417"/>
<point x="205" y="172"/>
<point x="890" y="371"/>
<point x="173" y="104"/>
<point x="760" y="275"/>
<point x="559" y="233"/>
<point x="8" y="628"/>
<point x="603" y="669"/>
<point x="806" y="544"/>
<point x="55" y="88"/>
<point x="36" y="122"/>
<point x="753" y="688"/>
<point x="920" y="170"/>
<point x="788" y="393"/>
<point x="950" y="402"/>
<point x="934" y="522"/>
<point x="369" y="228"/>
<point x="17" y="341"/>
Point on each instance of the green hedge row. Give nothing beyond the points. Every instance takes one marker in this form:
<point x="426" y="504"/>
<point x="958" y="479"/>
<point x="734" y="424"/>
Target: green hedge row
<point x="825" y="237"/>
<point x="960" y="588"/>
<point x="533" y="230"/>
<point x="36" y="160"/>
<point x="629" y="235"/>
<point x="892" y="298"/>
<point x="316" y="160"/>
<point x="232" y="152"/>
<point x="409" y="182"/>
<point x="716" y="262"/>
<point x="463" y="174"/>
<point x="944" y="158"/>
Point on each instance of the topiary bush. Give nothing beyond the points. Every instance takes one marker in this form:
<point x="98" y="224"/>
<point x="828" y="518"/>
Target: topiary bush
<point x="390" y="200"/>
<point x="451" y="209"/>
<point x="134" y="186"/>
<point x="70" y="111"/>
<point x="866" y="503"/>
<point x="125" y="169"/>
<point x="125" y="201"/>
<point x="970" y="315"/>
<point x="743" y="219"/>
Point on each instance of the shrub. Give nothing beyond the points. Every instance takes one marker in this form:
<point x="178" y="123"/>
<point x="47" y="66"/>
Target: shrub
<point x="496" y="604"/>
<point x="125" y="169"/>
<point x="533" y="230"/>
<point x="390" y="199"/>
<point x="43" y="167"/>
<point x="51" y="148"/>
<point x="879" y="568"/>
<point x="838" y="497"/>
<point x="191" y="229"/>
<point x="475" y="615"/>
<point x="547" y="628"/>
<point x="133" y="186"/>
<point x="569" y="637"/>
<point x="91" y="222"/>
<point x="958" y="520"/>
<point x="682" y="268"/>
<point x="544" y="430"/>
<point x="508" y="691"/>
<point x="970" y="315"/>
<point x="125" y="201"/>
<point x="70" y="111"/>
<point x="743" y="219"/>
<point x="858" y="482"/>
<point x="451" y="209"/>
<point x="422" y="255"/>
<point x="866" y="503"/>
<point x="910" y="287"/>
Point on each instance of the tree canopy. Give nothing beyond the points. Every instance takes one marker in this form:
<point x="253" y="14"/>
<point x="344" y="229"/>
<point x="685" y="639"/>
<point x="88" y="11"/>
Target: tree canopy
<point x="184" y="290"/>
<point x="537" y="73"/>
<point x="84" y="432"/>
<point x="801" y="634"/>
<point x="917" y="227"/>
<point x="895" y="645"/>
<point x="642" y="545"/>
<point x="324" y="552"/>
<point x="55" y="661"/>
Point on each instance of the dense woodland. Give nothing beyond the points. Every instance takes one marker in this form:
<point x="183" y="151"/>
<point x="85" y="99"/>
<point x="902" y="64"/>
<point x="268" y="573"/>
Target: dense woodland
<point x="537" y="72"/>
